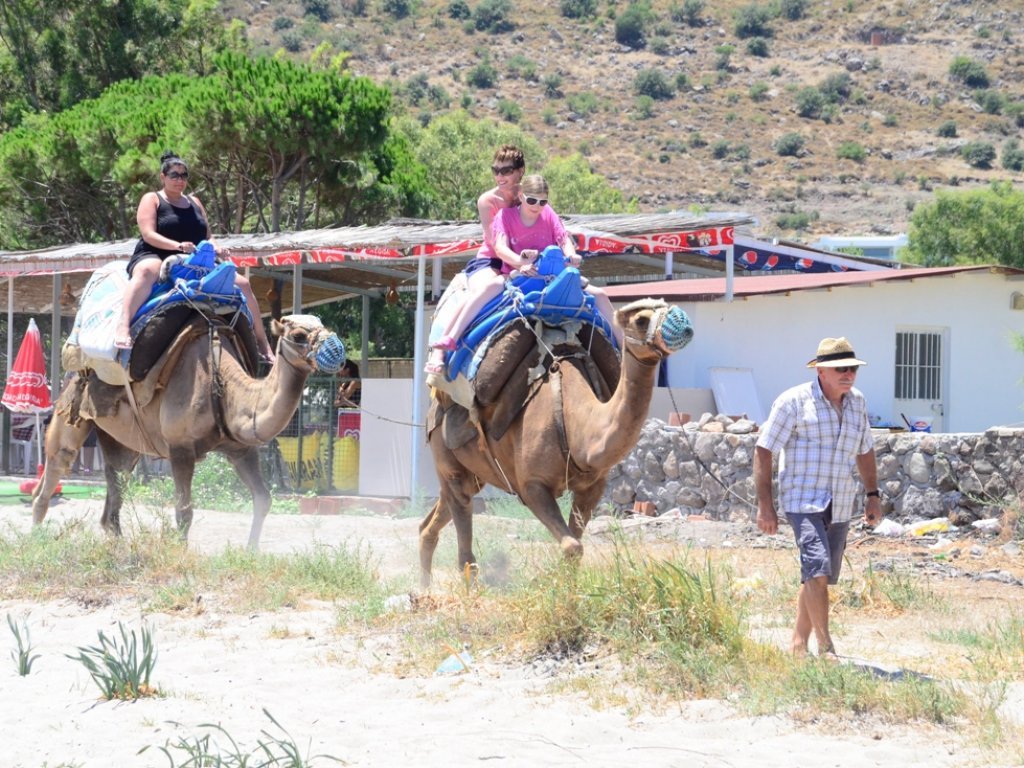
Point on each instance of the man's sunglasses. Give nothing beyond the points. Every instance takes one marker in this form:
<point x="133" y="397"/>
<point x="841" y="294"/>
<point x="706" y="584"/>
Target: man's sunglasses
<point x="846" y="368"/>
<point x="176" y="174"/>
<point x="502" y="170"/>
<point x="536" y="200"/>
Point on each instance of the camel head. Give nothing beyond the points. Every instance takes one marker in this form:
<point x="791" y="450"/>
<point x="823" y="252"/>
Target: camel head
<point x="307" y="345"/>
<point x="653" y="330"/>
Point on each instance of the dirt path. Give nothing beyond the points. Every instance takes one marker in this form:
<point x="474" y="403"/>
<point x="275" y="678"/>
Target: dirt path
<point x="342" y="695"/>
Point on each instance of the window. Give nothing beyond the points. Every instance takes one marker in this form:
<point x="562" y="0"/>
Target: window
<point x="918" y="364"/>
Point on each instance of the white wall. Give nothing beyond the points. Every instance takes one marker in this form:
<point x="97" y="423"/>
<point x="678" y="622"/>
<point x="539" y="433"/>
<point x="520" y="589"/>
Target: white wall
<point x="776" y="336"/>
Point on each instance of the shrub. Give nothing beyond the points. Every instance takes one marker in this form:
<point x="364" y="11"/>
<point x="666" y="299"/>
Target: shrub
<point x="796" y="220"/>
<point x="650" y="82"/>
<point x="793" y="9"/>
<point x="510" y="111"/>
<point x="758" y="46"/>
<point x="720" y="149"/>
<point x="1013" y="156"/>
<point x="759" y="92"/>
<point x="947" y="130"/>
<point x="696" y="140"/>
<point x="836" y="88"/>
<point x="660" y="46"/>
<point x="578" y="9"/>
<point x="851" y="150"/>
<point x="318" y="9"/>
<point x="282" y="23"/>
<point x="752" y="21"/>
<point x="889" y="121"/>
<point x="483" y="75"/>
<point x="396" y="9"/>
<point x="644" y="107"/>
<point x="789" y="145"/>
<point x="291" y="40"/>
<point x="630" y="27"/>
<point x="493" y="16"/>
<point x="416" y="88"/>
<point x="584" y="103"/>
<point x="809" y="102"/>
<point x="688" y="13"/>
<point x="978" y="154"/>
<point x="553" y="85"/>
<point x="991" y="102"/>
<point x="459" y="9"/>
<point x="521" y="67"/>
<point x="968" y="71"/>
<point x="682" y="81"/>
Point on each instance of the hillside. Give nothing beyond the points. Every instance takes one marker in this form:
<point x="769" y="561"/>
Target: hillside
<point x="713" y="140"/>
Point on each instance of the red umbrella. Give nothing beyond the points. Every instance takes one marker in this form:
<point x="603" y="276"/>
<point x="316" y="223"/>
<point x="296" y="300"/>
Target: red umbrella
<point x="27" y="390"/>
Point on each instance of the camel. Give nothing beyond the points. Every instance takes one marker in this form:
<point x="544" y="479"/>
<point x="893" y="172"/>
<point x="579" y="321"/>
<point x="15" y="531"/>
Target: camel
<point x="198" y="398"/>
<point x="565" y="436"/>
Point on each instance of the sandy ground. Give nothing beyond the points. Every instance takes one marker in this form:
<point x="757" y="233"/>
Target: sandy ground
<point x="340" y="695"/>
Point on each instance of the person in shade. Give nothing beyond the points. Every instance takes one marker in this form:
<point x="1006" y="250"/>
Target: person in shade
<point x="822" y="433"/>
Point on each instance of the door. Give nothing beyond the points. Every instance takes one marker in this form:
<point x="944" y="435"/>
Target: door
<point x="921" y="376"/>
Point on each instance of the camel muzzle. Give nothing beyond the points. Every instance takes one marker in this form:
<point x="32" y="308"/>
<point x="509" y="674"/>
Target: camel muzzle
<point x="330" y="354"/>
<point x="672" y="329"/>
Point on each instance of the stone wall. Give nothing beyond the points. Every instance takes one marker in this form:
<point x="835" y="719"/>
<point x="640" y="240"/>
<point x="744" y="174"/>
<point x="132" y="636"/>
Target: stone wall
<point x="706" y="468"/>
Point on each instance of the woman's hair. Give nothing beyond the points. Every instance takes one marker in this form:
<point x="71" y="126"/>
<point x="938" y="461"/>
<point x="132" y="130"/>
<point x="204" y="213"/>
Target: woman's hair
<point x="170" y="159"/>
<point x="350" y="369"/>
<point x="511" y="154"/>
<point x="534" y="184"/>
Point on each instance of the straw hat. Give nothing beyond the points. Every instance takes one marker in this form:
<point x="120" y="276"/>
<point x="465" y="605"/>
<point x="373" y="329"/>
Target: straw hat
<point x="834" y="353"/>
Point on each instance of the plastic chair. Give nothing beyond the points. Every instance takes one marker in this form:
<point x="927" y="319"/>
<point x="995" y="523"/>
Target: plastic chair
<point x="23" y="438"/>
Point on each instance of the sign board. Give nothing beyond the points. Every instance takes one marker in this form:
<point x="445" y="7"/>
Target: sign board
<point x="735" y="393"/>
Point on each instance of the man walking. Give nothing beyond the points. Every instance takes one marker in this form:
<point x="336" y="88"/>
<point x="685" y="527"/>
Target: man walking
<point x="822" y="430"/>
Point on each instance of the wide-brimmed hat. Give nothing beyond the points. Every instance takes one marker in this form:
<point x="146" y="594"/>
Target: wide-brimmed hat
<point x="833" y="353"/>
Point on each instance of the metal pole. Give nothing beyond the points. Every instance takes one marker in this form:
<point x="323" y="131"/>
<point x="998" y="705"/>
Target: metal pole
<point x="436" y="273"/>
<point x="55" y="330"/>
<point x="365" y="333"/>
<point x="729" y="251"/>
<point x="668" y="265"/>
<point x="419" y="343"/>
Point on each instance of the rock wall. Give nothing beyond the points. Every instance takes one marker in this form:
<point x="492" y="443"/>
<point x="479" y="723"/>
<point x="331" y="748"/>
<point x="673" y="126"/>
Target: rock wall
<point x="707" y="468"/>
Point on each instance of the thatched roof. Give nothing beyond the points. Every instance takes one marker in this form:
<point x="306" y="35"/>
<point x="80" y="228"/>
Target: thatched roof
<point x="367" y="260"/>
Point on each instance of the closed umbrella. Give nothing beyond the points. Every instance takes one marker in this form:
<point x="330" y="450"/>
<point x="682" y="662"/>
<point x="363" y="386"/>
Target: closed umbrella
<point x="27" y="390"/>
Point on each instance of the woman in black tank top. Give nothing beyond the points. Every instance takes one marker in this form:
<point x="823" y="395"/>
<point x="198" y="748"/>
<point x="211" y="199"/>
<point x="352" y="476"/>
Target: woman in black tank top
<point x="172" y="222"/>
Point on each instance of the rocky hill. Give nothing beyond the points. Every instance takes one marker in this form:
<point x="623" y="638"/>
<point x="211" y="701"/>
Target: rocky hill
<point x="718" y="122"/>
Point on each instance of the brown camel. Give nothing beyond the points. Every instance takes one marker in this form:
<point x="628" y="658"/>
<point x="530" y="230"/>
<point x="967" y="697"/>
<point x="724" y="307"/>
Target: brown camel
<point x="198" y="398"/>
<point x="565" y="436"/>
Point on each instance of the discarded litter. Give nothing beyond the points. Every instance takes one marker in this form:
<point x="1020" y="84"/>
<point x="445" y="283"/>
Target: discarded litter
<point x="988" y="524"/>
<point x="455" y="664"/>
<point x="398" y="603"/>
<point x="888" y="527"/>
<point x="922" y="527"/>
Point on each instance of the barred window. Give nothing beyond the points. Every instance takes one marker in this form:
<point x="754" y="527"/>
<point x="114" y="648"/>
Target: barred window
<point x="918" y="365"/>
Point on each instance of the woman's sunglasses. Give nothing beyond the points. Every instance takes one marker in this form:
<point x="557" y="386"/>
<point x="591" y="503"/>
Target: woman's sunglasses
<point x="502" y="170"/>
<point x="176" y="175"/>
<point x="536" y="200"/>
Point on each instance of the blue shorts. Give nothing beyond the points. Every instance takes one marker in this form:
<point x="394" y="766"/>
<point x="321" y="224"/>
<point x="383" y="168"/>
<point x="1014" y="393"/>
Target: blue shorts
<point x="821" y="542"/>
<point x="479" y="263"/>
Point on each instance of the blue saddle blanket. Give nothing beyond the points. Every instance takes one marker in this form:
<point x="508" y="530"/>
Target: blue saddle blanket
<point x="556" y="297"/>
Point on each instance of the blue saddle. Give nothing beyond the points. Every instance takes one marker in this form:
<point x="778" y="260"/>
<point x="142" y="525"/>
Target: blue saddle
<point x="198" y="280"/>
<point x="555" y="296"/>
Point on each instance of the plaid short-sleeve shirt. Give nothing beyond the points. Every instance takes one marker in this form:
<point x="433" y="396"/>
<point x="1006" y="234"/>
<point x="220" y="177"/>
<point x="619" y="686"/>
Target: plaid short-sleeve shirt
<point x="819" y="453"/>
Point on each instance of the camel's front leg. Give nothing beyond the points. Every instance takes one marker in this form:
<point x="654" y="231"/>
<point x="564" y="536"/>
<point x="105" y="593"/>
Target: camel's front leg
<point x="63" y="442"/>
<point x="247" y="465"/>
<point x="183" y="467"/>
<point x="583" y="502"/>
<point x="430" y="530"/>
<point x="118" y="462"/>
<point x="544" y="506"/>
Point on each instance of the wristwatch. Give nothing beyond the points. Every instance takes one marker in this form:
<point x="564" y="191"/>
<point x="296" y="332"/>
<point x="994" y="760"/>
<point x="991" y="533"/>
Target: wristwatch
<point x="873" y="493"/>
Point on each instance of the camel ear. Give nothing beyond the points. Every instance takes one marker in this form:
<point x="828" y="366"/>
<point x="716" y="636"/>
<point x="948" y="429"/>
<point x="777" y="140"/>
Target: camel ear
<point x="276" y="327"/>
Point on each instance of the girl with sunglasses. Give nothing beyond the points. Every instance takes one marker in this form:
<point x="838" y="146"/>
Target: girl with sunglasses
<point x="520" y="234"/>
<point x="172" y="222"/>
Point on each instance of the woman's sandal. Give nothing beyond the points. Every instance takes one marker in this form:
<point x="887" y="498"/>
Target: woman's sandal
<point x="122" y="342"/>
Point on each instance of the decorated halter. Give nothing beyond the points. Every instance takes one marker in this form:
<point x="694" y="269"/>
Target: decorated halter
<point x="324" y="350"/>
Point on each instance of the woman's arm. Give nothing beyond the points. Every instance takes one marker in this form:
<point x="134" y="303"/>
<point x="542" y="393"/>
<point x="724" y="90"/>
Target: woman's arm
<point x="523" y="263"/>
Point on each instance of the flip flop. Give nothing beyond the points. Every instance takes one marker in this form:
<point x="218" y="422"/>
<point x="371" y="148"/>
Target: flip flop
<point x="123" y="342"/>
<point x="434" y="367"/>
<point x="446" y="343"/>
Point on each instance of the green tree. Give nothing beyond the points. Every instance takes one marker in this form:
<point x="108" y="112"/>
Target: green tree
<point x="978" y="226"/>
<point x="575" y="188"/>
<point x="631" y="26"/>
<point x="650" y="82"/>
<point x="456" y="151"/>
<point x="969" y="72"/>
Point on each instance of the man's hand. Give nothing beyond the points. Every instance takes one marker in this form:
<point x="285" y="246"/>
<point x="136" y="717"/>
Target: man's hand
<point x="873" y="511"/>
<point x="767" y="517"/>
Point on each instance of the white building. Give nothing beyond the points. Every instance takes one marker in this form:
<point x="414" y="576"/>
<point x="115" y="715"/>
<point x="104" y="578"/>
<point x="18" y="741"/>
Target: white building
<point x="878" y="247"/>
<point x="939" y="342"/>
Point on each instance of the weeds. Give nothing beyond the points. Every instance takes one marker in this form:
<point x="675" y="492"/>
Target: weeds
<point x="22" y="655"/>
<point x="119" y="669"/>
<point x="271" y="750"/>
